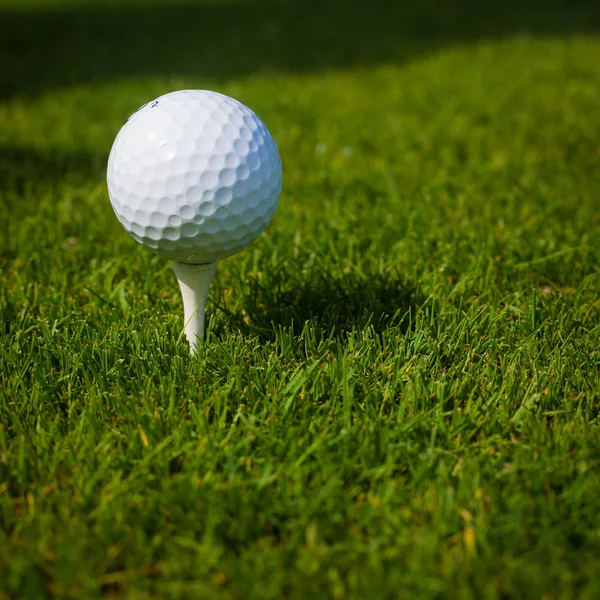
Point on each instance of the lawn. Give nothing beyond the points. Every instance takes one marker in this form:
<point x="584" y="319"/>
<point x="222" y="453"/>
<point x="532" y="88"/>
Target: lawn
<point x="399" y="391"/>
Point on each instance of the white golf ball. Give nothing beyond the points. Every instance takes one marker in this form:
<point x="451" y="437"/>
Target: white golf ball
<point x="195" y="176"/>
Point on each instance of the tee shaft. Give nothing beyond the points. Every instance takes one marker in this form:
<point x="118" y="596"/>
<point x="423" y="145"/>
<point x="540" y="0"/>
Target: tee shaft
<point x="194" y="282"/>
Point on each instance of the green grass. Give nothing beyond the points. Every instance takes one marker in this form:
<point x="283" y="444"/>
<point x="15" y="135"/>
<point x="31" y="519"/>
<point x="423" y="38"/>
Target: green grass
<point x="399" y="392"/>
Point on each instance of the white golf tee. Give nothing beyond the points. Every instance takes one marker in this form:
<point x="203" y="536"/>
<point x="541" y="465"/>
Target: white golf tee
<point x="194" y="282"/>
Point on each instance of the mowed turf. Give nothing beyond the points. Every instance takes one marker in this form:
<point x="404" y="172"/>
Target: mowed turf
<point x="399" y="391"/>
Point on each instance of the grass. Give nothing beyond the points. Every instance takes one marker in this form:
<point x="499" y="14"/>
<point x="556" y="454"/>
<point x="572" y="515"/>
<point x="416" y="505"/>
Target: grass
<point x="398" y="396"/>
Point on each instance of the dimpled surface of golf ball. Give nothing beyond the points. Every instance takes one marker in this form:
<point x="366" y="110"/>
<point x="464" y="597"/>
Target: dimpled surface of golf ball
<point x="195" y="176"/>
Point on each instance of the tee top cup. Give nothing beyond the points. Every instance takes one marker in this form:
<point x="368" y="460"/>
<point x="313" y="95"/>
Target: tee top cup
<point x="195" y="176"/>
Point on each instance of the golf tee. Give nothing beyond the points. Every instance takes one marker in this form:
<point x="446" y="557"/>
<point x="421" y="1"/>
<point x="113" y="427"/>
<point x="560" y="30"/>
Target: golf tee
<point x="194" y="282"/>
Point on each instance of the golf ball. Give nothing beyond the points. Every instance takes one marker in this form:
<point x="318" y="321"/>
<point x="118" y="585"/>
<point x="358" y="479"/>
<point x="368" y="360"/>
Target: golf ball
<point x="195" y="176"/>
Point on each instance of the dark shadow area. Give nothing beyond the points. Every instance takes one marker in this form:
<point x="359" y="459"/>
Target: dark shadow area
<point x="21" y="165"/>
<point x="333" y="305"/>
<point x="26" y="175"/>
<point x="218" y="40"/>
<point x="23" y="168"/>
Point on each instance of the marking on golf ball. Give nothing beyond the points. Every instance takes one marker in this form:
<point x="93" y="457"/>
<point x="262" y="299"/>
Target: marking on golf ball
<point x="151" y="105"/>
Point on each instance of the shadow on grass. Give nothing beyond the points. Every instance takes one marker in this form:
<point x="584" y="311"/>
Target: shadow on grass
<point x="24" y="168"/>
<point x="28" y="175"/>
<point x="221" y="39"/>
<point x="331" y="305"/>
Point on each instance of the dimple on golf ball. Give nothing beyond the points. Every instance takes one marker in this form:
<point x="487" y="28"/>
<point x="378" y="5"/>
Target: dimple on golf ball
<point x="195" y="176"/>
